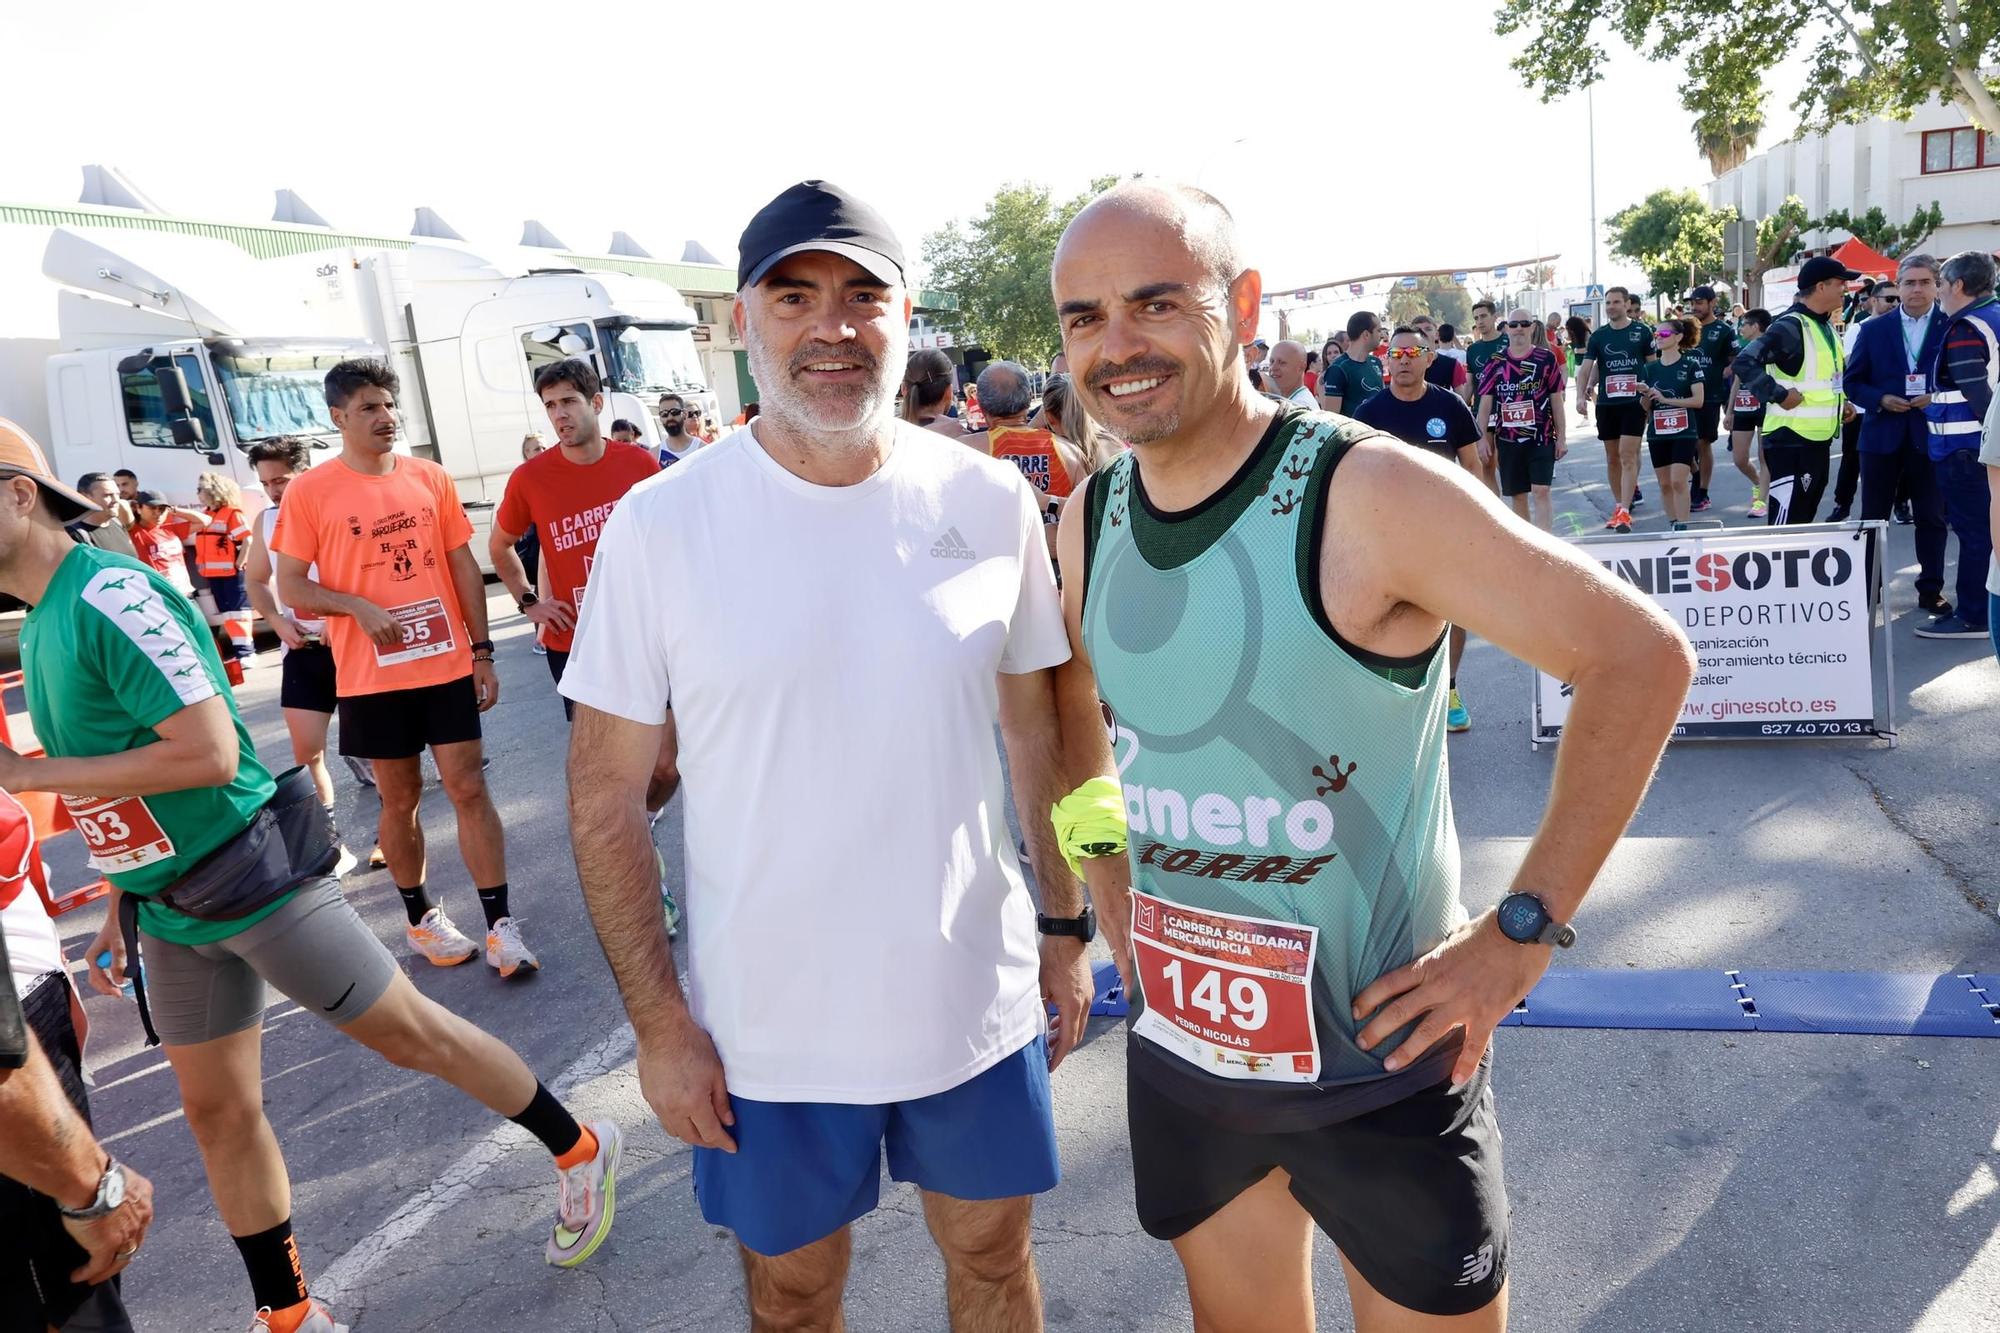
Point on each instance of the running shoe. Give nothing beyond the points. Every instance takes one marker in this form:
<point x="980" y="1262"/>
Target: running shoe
<point x="1837" y="514"/>
<point x="1901" y="512"/>
<point x="1611" y="524"/>
<point x="1621" y="519"/>
<point x="1951" y="627"/>
<point x="1700" y="506"/>
<point x="317" y="1320"/>
<point x="505" y="953"/>
<point x="440" y="941"/>
<point x="586" y="1198"/>
<point x="1457" y="719"/>
<point x="375" y="858"/>
<point x="348" y="860"/>
<point x="540" y="649"/>
<point x="1638" y="497"/>
<point x="1757" y="509"/>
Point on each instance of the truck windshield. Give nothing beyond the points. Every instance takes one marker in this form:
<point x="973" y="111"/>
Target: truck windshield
<point x="654" y="359"/>
<point x="281" y="392"/>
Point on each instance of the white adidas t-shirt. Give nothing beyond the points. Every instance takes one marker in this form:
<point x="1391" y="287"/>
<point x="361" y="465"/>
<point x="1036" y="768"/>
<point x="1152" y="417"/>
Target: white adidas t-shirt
<point x="858" y="928"/>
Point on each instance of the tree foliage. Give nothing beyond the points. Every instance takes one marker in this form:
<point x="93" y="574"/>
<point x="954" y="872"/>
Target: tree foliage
<point x="1443" y="300"/>
<point x="1867" y="57"/>
<point x="1673" y="235"/>
<point x="998" y="264"/>
<point x="1889" y="239"/>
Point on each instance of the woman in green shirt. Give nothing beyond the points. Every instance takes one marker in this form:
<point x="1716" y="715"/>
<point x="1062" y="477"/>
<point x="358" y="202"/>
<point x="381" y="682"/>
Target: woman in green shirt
<point x="1670" y="385"/>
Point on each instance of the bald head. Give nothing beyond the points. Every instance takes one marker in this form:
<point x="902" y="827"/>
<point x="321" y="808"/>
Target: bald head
<point x="1005" y="391"/>
<point x="1288" y="367"/>
<point x="1196" y="218"/>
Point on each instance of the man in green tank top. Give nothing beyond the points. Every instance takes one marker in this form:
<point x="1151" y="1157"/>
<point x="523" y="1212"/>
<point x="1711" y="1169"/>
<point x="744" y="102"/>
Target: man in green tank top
<point x="1312" y="1004"/>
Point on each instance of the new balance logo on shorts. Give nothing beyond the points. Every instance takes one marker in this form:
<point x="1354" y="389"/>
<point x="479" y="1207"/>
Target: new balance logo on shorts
<point x="1478" y="1267"/>
<point x="951" y="546"/>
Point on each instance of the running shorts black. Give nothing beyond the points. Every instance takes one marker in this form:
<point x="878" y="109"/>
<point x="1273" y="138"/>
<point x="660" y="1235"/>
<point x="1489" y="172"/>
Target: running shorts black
<point x="399" y="724"/>
<point x="1620" y="419"/>
<point x="1753" y="419"/>
<point x="1526" y="465"/>
<point x="558" y="662"/>
<point x="1668" y="452"/>
<point x="1708" y="422"/>
<point x="309" y="680"/>
<point x="39" y="1255"/>
<point x="1412" y="1193"/>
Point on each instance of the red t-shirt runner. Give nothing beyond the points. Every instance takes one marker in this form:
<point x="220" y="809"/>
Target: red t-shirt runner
<point x="566" y="503"/>
<point x="160" y="547"/>
<point x="384" y="539"/>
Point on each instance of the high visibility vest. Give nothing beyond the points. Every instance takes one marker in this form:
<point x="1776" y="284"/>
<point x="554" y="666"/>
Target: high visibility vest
<point x="1817" y="417"/>
<point x="1953" y="424"/>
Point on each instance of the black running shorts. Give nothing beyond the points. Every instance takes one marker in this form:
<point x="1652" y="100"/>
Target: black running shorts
<point x="1412" y="1193"/>
<point x="1752" y="419"/>
<point x="1626" y="417"/>
<point x="1526" y="465"/>
<point x="399" y="724"/>
<point x="309" y="680"/>
<point x="1668" y="452"/>
<point x="1708" y="421"/>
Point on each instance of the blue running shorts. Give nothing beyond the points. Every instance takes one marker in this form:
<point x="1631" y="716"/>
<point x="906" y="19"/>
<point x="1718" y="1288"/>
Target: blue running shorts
<point x="803" y="1170"/>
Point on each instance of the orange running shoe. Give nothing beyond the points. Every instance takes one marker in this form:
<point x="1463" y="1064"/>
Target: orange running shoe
<point x="1621" y="519"/>
<point x="440" y="941"/>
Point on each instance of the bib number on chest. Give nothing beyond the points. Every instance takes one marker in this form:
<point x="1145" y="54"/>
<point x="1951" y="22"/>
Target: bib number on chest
<point x="1518" y="415"/>
<point x="120" y="834"/>
<point x="1670" y="420"/>
<point x="426" y="633"/>
<point x="1621" y="386"/>
<point x="1229" y="994"/>
<point x="1745" y="401"/>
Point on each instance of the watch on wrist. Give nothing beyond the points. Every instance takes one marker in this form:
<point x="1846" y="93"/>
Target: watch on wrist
<point x="1524" y="919"/>
<point x="482" y="646"/>
<point x="1082" y="927"/>
<point x="110" y="1194"/>
<point x="526" y="600"/>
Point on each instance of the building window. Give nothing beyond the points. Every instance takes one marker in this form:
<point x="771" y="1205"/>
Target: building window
<point x="1961" y="149"/>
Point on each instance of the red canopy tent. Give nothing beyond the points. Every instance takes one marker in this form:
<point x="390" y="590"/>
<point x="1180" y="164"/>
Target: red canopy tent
<point x="1864" y="259"/>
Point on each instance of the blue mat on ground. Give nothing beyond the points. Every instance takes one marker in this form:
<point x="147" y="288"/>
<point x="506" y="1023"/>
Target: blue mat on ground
<point x="1890" y="1004"/>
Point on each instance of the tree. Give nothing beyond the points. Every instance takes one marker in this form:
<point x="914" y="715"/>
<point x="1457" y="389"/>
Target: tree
<point x="1869" y="57"/>
<point x="1443" y="300"/>
<point x="998" y="264"/>
<point x="1873" y="228"/>
<point x="1673" y="235"/>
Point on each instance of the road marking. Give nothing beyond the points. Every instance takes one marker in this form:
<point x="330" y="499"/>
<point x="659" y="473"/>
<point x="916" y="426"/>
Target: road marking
<point x="456" y="1181"/>
<point x="143" y="1126"/>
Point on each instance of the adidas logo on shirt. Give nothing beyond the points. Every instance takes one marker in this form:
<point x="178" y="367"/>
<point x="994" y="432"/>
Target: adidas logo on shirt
<point x="951" y="546"/>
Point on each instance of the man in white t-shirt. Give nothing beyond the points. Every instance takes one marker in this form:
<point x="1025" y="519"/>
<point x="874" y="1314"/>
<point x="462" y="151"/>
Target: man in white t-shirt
<point x="837" y="606"/>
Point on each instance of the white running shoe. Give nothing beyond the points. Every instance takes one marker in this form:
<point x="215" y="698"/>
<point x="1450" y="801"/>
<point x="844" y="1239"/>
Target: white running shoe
<point x="587" y="1197"/>
<point x="505" y="953"/>
<point x="348" y="860"/>
<point x="319" y="1320"/>
<point x="440" y="941"/>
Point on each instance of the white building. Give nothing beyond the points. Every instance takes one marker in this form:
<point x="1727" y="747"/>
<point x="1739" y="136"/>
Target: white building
<point x="1898" y="166"/>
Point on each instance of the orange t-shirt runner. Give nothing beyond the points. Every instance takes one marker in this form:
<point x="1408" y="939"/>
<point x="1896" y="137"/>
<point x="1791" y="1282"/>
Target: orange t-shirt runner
<point x="1034" y="452"/>
<point x="566" y="503"/>
<point x="384" y="539"/>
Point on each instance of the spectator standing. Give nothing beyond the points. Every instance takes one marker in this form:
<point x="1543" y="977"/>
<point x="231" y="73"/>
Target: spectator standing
<point x="1963" y="388"/>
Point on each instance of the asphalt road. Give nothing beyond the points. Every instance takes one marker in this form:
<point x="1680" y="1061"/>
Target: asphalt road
<point x="1659" y="1180"/>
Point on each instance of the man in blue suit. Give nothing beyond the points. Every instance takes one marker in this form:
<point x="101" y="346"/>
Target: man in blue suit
<point x="1886" y="375"/>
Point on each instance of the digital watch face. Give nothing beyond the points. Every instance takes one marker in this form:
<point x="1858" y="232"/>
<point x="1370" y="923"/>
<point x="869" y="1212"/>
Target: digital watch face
<point x="1521" y="919"/>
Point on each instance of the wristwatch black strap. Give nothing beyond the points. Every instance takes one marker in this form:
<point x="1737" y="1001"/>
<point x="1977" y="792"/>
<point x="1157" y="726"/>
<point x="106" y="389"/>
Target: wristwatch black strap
<point x="1083" y="926"/>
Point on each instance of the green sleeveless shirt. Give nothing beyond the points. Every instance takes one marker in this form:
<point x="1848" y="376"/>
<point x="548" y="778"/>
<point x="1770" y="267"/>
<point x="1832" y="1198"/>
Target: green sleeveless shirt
<point x="1270" y="769"/>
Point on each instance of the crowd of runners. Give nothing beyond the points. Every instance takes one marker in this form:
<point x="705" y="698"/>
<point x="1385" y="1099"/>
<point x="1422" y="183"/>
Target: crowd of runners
<point x="1224" y="726"/>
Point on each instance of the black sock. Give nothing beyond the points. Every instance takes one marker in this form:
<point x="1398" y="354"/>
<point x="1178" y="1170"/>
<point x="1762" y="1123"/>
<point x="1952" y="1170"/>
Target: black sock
<point x="277" y="1278"/>
<point x="1454" y="682"/>
<point x="415" y="903"/>
<point x="550" y="1121"/>
<point x="493" y="902"/>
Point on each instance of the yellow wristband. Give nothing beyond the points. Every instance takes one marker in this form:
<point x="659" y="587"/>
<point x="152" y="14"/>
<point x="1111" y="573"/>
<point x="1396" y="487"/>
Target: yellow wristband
<point x="1090" y="822"/>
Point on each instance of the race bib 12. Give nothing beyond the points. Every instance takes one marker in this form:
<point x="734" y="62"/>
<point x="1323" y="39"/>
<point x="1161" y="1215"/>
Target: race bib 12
<point x="1621" y="386"/>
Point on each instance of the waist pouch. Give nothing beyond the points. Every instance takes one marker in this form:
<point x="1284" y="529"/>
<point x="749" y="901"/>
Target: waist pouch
<point x="291" y="840"/>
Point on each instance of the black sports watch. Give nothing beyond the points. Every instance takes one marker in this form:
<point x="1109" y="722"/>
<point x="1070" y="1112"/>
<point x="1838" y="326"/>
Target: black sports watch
<point x="110" y="1194"/>
<point x="1524" y="919"/>
<point x="1082" y="927"/>
<point x="526" y="600"/>
<point x="482" y="646"/>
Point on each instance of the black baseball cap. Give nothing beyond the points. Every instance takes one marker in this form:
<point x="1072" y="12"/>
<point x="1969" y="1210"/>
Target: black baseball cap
<point x="1702" y="293"/>
<point x="817" y="215"/>
<point x="1821" y="267"/>
<point x="151" y="498"/>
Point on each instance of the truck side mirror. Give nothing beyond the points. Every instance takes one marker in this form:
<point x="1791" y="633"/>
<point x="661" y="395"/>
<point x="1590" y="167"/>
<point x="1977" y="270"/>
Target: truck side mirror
<point x="178" y="405"/>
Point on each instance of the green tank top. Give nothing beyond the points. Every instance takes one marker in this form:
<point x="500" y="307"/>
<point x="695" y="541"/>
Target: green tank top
<point x="1270" y="769"/>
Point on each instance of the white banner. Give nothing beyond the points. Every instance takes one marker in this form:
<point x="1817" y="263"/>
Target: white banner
<point x="1783" y="620"/>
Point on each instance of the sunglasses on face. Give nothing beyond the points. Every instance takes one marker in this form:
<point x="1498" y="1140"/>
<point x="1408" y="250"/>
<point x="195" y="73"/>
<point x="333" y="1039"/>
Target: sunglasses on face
<point x="1665" y="335"/>
<point x="1405" y="353"/>
<point x="671" y="412"/>
<point x="1520" y="323"/>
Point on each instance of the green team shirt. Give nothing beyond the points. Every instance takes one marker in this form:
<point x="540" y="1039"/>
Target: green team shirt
<point x="1479" y="353"/>
<point x="1617" y="352"/>
<point x="1675" y="381"/>
<point x="110" y="652"/>
<point x="1353" y="382"/>
<point x="1712" y="356"/>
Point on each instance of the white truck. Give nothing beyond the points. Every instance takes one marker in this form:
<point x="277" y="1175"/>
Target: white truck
<point x="171" y="354"/>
